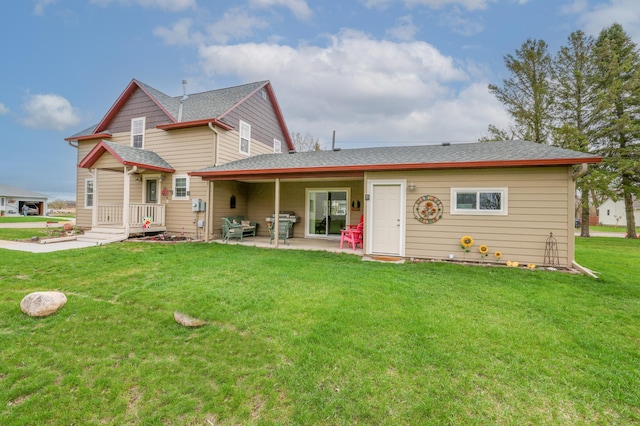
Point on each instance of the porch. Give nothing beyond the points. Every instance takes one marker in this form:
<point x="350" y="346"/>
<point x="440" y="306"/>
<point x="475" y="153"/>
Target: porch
<point x="142" y="217"/>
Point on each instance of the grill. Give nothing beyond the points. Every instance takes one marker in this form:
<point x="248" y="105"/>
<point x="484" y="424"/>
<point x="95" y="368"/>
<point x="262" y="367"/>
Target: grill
<point x="285" y="217"/>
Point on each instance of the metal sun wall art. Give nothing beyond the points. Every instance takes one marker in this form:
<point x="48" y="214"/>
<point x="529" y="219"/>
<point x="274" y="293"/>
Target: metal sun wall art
<point x="427" y="209"/>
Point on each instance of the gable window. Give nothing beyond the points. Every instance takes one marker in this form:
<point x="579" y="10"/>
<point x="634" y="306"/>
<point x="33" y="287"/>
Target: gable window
<point x="181" y="187"/>
<point x="489" y="201"/>
<point x="88" y="193"/>
<point x="245" y="137"/>
<point x="137" y="132"/>
<point x="277" y="146"/>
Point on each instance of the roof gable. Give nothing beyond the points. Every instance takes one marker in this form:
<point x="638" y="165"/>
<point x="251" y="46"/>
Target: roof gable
<point x="197" y="109"/>
<point x="127" y="156"/>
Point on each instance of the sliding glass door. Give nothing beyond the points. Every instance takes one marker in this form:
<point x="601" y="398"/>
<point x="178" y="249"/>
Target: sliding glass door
<point x="326" y="211"/>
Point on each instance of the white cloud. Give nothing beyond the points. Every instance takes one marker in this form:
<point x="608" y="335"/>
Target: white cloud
<point x="171" y="5"/>
<point x="366" y="89"/>
<point x="595" y="18"/>
<point x="40" y="5"/>
<point x="433" y="4"/>
<point x="299" y="8"/>
<point x="235" y="24"/>
<point x="405" y="30"/>
<point x="3" y="109"/>
<point x="179" y="34"/>
<point x="49" y="111"/>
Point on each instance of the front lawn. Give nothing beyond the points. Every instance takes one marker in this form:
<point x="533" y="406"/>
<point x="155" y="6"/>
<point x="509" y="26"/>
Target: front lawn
<point x="298" y="337"/>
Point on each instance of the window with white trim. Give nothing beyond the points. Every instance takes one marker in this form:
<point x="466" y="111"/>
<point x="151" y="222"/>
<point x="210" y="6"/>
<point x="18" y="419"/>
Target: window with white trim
<point x="181" y="187"/>
<point x="245" y="137"/>
<point x="277" y="146"/>
<point x="88" y="193"/>
<point x="1" y="201"/>
<point x="137" y="132"/>
<point x="483" y="201"/>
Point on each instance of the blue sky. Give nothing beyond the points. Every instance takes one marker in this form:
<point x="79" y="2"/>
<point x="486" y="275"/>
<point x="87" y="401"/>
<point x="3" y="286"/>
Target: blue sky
<point x="378" y="72"/>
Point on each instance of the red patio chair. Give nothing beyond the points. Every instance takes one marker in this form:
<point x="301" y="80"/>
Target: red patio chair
<point x="352" y="236"/>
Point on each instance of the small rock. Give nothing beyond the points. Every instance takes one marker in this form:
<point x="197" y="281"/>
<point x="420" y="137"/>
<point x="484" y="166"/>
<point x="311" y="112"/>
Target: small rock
<point x="42" y="303"/>
<point x="187" y="321"/>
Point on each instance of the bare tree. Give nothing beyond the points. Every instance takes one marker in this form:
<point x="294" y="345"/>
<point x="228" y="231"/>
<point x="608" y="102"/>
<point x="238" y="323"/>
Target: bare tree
<point x="304" y="143"/>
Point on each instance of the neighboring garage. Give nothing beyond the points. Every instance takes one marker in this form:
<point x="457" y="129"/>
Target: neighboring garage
<point x="13" y="199"/>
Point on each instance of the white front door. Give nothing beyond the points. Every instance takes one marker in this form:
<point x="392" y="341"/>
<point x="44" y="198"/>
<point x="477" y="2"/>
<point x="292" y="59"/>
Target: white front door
<point x="386" y="220"/>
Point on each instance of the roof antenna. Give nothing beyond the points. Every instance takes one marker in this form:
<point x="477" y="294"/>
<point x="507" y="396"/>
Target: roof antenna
<point x="184" y="89"/>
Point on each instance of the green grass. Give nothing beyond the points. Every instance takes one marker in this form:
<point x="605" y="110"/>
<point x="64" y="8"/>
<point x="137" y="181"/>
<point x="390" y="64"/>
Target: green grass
<point x="21" y="219"/>
<point x="299" y="337"/>
<point x="609" y="228"/>
<point x="17" y="234"/>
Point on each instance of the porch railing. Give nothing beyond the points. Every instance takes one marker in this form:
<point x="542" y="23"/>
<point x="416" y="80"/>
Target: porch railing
<point x="112" y="214"/>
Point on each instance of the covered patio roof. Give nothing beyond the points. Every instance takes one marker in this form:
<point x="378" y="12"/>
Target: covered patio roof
<point x="355" y="162"/>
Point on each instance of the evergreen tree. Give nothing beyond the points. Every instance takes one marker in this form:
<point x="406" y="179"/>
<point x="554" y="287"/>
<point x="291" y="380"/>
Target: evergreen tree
<point x="575" y="110"/>
<point x="618" y="103"/>
<point x="527" y="94"/>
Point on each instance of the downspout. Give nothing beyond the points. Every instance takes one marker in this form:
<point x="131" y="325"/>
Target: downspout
<point x="215" y="144"/>
<point x="584" y="168"/>
<point x="583" y="171"/>
<point x="72" y="145"/>
<point x="210" y="186"/>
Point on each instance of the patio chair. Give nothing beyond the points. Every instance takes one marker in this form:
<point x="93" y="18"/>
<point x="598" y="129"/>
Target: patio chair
<point x="353" y="236"/>
<point x="231" y="230"/>
<point x="283" y="231"/>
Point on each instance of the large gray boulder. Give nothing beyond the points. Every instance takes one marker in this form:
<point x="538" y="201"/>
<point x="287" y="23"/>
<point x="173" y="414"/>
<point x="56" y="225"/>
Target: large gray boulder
<point x="42" y="303"/>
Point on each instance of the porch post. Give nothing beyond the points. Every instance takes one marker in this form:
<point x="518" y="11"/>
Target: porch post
<point x="126" y="198"/>
<point x="276" y="216"/>
<point x="94" y="207"/>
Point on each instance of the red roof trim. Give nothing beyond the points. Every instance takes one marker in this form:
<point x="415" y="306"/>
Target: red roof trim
<point x="95" y="154"/>
<point x="98" y="150"/>
<point x="274" y="102"/>
<point x="212" y="175"/>
<point x="89" y="137"/>
<point x="280" y="117"/>
<point x="196" y="123"/>
<point x="122" y="99"/>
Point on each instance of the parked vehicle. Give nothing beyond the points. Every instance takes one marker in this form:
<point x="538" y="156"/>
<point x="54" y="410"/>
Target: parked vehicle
<point x="34" y="210"/>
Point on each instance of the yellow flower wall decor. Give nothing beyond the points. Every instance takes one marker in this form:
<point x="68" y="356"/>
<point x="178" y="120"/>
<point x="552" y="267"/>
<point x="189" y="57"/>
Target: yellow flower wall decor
<point x="484" y="250"/>
<point x="466" y="241"/>
<point x="498" y="255"/>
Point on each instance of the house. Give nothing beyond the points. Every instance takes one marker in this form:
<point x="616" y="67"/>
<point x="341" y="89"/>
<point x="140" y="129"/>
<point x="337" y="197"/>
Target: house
<point x="186" y="163"/>
<point x="613" y="212"/>
<point x="13" y="199"/>
<point x="134" y="165"/>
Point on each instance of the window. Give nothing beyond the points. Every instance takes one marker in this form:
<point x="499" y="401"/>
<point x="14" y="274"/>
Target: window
<point x="245" y="137"/>
<point x="479" y="201"/>
<point x="88" y="193"/>
<point x="1" y="201"/>
<point x="277" y="146"/>
<point x="137" y="132"/>
<point x="180" y="187"/>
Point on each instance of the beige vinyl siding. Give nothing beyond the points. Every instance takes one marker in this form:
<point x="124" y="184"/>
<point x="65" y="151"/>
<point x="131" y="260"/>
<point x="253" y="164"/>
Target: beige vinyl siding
<point x="539" y="202"/>
<point x="229" y="147"/>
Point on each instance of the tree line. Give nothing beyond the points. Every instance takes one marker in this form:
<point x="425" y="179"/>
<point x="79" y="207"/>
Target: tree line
<point x="587" y="98"/>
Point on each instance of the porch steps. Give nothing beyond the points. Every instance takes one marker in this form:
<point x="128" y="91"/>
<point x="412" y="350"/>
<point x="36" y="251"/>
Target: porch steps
<point x="101" y="236"/>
